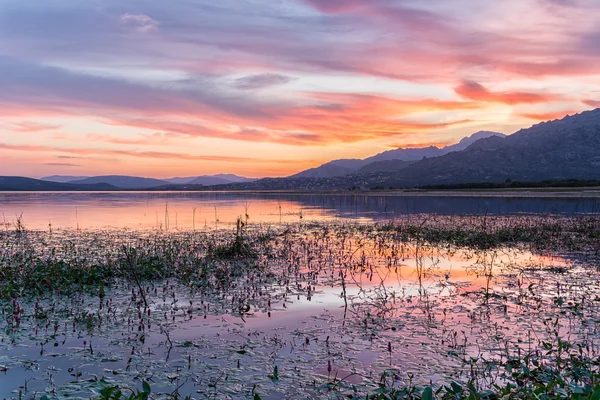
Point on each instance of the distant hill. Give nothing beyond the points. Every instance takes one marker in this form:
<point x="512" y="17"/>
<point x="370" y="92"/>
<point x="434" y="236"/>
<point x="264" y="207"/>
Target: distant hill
<point x="122" y="181"/>
<point x="63" y="178"/>
<point x="208" y="180"/>
<point x="219" y="179"/>
<point x="348" y="166"/>
<point x="18" y="183"/>
<point x="180" y="181"/>
<point x="234" y="178"/>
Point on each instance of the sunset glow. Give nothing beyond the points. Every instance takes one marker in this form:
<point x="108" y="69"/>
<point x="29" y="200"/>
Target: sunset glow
<point x="269" y="88"/>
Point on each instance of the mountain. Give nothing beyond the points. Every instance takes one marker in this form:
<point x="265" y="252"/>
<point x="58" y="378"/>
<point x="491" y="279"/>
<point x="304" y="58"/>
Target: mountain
<point x="122" y="182"/>
<point x="133" y="182"/>
<point x="207" y="180"/>
<point x="384" y="166"/>
<point x="234" y="178"/>
<point x="466" y="142"/>
<point x="557" y="150"/>
<point x="180" y="181"/>
<point x="347" y="166"/>
<point x="413" y="154"/>
<point x="331" y="169"/>
<point x="219" y="179"/>
<point x="18" y="183"/>
<point x="63" y="178"/>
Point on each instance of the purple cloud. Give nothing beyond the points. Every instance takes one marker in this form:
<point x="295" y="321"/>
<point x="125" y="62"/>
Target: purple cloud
<point x="260" y="81"/>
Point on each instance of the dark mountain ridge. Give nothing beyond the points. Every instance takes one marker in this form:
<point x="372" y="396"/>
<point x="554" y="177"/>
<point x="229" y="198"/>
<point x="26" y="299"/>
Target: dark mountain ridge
<point x="556" y="150"/>
<point x="348" y="166"/>
<point x="135" y="182"/>
<point x="122" y="181"/>
<point x="19" y="183"/>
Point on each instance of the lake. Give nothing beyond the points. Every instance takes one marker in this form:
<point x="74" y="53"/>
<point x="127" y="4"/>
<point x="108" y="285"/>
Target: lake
<point x="186" y="210"/>
<point x="314" y="296"/>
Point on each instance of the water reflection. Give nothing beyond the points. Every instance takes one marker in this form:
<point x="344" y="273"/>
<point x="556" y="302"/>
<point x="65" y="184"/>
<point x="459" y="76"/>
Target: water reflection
<point x="187" y="210"/>
<point x="329" y="302"/>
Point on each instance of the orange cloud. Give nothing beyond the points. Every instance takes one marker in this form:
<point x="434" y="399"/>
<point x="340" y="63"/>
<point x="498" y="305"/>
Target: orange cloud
<point x="329" y="118"/>
<point x="546" y="116"/>
<point x="137" y="154"/>
<point x="421" y="144"/>
<point x="152" y="139"/>
<point x="352" y="118"/>
<point x="475" y="91"/>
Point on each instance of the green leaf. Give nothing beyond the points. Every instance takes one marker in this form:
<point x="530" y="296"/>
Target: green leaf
<point x="275" y="376"/>
<point x="596" y="395"/>
<point x="427" y="394"/>
<point x="146" y="387"/>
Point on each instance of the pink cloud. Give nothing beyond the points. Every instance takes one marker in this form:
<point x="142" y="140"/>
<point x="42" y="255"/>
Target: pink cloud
<point x="474" y="91"/>
<point x="592" y="103"/>
<point x="24" y="127"/>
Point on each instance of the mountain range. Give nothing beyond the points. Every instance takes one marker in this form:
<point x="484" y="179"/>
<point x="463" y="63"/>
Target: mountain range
<point x="136" y="183"/>
<point x="347" y="166"/>
<point x="557" y="150"/>
<point x="20" y="183"/>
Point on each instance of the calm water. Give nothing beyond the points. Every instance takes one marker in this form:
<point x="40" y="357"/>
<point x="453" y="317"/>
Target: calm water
<point x="143" y="210"/>
<point x="330" y="308"/>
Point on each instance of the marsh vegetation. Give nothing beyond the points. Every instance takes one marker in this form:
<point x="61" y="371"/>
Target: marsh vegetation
<point x="420" y="307"/>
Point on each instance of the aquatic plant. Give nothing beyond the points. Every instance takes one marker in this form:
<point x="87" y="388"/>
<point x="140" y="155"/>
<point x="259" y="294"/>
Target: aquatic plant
<point x="441" y="307"/>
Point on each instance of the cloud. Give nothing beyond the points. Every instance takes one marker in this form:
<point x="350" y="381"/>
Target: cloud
<point x="261" y="81"/>
<point x="439" y="144"/>
<point x="144" y="67"/>
<point x="327" y="118"/>
<point x="394" y="38"/>
<point x="592" y="103"/>
<point x="55" y="164"/>
<point x="134" y="153"/>
<point x="140" y="22"/>
<point x="146" y="140"/>
<point x="32" y="85"/>
<point x="474" y="91"/>
<point x="24" y="127"/>
<point x="547" y="116"/>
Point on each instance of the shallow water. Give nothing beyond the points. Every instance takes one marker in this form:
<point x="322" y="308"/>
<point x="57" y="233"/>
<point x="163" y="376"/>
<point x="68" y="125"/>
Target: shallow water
<point x="326" y="302"/>
<point x="200" y="210"/>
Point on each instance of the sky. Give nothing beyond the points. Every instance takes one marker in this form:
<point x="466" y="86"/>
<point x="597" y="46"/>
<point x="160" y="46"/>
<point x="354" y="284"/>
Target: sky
<point x="272" y="87"/>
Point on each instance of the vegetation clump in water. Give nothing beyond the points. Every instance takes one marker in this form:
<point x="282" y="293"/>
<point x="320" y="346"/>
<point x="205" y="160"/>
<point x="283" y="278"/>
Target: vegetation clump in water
<point x="428" y="307"/>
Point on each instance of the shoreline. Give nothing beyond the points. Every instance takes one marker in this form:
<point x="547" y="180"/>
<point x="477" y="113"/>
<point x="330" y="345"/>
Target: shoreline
<point x="584" y="192"/>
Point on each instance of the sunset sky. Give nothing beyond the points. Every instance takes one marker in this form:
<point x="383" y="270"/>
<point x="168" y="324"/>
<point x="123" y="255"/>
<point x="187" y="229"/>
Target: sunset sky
<point x="271" y="87"/>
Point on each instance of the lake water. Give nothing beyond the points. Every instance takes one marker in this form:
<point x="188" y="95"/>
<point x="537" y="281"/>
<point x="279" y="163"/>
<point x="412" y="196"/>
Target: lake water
<point x="328" y="304"/>
<point x="185" y="210"/>
<point x="300" y="310"/>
